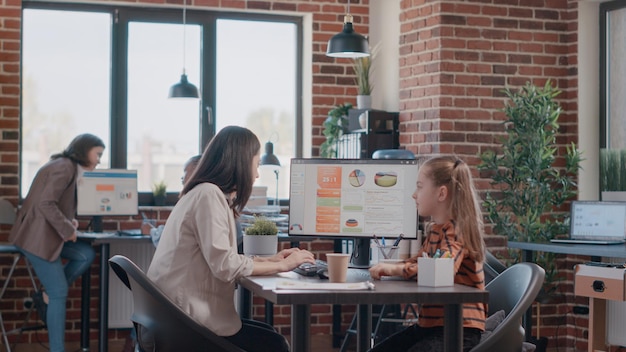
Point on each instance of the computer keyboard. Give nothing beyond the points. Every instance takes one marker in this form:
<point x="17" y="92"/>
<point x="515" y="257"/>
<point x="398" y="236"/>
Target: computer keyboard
<point x="308" y="269"/>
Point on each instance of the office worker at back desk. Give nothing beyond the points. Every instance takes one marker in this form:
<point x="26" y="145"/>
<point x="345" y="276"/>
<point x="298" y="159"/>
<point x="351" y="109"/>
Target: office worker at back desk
<point x="445" y="192"/>
<point x="45" y="228"/>
<point x="196" y="262"/>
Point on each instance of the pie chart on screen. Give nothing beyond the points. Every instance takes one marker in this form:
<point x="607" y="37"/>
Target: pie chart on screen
<point x="356" y="178"/>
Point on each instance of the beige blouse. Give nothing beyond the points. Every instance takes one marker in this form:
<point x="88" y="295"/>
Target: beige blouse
<point x="196" y="262"/>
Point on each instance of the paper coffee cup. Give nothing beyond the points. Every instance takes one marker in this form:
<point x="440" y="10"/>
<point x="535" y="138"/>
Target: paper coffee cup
<point x="337" y="266"/>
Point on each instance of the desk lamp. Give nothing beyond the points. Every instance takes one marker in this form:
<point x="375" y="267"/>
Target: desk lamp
<point x="269" y="159"/>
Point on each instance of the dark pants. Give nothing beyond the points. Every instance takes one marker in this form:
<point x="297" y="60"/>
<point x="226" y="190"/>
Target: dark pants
<point x="418" y="339"/>
<point x="256" y="336"/>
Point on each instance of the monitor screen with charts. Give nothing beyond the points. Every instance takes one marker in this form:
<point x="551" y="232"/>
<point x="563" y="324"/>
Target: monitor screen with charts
<point x="597" y="222"/>
<point x="353" y="197"/>
<point x="107" y="192"/>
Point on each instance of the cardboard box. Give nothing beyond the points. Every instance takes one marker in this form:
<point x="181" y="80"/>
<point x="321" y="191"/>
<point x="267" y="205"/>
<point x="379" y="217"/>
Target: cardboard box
<point x="435" y="272"/>
<point x="600" y="282"/>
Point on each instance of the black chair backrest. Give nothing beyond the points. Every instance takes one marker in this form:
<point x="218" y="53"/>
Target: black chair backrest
<point x="513" y="291"/>
<point x="492" y="266"/>
<point x="160" y="324"/>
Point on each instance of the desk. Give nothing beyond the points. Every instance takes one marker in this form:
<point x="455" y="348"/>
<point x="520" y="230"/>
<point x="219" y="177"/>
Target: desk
<point x="386" y="292"/>
<point x="595" y="251"/>
<point x="103" y="308"/>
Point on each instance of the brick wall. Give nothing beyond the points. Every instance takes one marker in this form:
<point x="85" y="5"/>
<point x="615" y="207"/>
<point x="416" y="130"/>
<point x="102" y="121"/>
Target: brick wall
<point x="455" y="57"/>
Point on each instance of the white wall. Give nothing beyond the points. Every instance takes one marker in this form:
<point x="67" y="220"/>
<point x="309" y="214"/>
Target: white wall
<point x="588" y="98"/>
<point x="385" y="32"/>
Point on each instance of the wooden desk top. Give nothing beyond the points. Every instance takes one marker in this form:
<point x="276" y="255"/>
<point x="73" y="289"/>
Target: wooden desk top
<point x="386" y="292"/>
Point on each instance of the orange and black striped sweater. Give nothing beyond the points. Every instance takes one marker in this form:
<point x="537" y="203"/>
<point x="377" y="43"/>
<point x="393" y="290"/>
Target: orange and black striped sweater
<point x="467" y="272"/>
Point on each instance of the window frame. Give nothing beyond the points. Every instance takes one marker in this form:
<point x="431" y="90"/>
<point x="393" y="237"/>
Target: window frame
<point x="605" y="9"/>
<point x="121" y="16"/>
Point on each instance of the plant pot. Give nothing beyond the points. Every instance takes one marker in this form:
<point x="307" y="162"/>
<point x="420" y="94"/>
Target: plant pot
<point x="618" y="196"/>
<point x="364" y="102"/>
<point x="265" y="245"/>
<point x="159" y="200"/>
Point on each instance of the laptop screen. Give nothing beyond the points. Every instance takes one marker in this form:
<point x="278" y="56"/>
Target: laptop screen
<point x="593" y="220"/>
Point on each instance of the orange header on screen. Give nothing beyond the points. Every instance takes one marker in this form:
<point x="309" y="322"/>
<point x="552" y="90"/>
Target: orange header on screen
<point x="105" y="187"/>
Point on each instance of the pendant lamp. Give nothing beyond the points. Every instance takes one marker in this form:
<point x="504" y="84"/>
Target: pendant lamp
<point x="184" y="89"/>
<point x="348" y="43"/>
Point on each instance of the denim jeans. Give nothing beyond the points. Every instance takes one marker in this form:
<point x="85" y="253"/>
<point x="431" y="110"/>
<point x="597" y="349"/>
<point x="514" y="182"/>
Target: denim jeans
<point x="56" y="278"/>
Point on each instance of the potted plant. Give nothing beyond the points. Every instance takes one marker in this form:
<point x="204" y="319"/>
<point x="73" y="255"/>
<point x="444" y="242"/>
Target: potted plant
<point x="362" y="67"/>
<point x="261" y="238"/>
<point x="159" y="191"/>
<point x="529" y="184"/>
<point x="613" y="174"/>
<point x="334" y="127"/>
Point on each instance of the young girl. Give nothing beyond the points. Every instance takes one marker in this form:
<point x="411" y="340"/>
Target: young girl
<point x="445" y="192"/>
<point x="45" y="229"/>
<point x="196" y="262"/>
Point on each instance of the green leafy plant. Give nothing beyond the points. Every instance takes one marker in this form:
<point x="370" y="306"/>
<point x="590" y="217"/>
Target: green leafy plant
<point x="362" y="67"/>
<point x="529" y="184"/>
<point x="612" y="170"/>
<point x="159" y="189"/>
<point x="334" y="128"/>
<point x="262" y="227"/>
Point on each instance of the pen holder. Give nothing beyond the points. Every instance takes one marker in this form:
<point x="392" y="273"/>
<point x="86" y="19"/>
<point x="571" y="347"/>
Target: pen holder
<point x="387" y="253"/>
<point x="435" y="272"/>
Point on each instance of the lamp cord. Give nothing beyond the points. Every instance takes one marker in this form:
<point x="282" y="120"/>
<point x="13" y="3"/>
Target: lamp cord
<point x="184" y="34"/>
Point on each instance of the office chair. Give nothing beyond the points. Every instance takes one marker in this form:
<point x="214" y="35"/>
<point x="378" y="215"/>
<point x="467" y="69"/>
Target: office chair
<point x="159" y="323"/>
<point x="7" y="217"/>
<point x="513" y="291"/>
<point x="492" y="267"/>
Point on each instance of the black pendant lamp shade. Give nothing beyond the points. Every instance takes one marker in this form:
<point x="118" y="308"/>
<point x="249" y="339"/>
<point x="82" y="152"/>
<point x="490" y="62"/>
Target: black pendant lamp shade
<point x="348" y="43"/>
<point x="184" y="89"/>
<point x="269" y="158"/>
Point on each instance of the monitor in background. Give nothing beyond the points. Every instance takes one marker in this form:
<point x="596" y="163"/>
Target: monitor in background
<point x="353" y="198"/>
<point x="107" y="192"/>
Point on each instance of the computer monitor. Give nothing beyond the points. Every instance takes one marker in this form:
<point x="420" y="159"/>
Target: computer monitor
<point x="353" y="198"/>
<point x="107" y="192"/>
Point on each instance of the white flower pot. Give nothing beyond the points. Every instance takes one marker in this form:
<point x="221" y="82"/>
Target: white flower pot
<point x="260" y="245"/>
<point x="616" y="196"/>
<point x="364" y="101"/>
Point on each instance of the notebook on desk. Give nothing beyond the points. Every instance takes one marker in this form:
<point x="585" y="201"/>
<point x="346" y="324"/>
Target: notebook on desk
<point x="595" y="222"/>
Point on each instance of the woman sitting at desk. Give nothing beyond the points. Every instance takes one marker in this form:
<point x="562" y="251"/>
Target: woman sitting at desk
<point x="445" y="192"/>
<point x="45" y="229"/>
<point x="196" y="263"/>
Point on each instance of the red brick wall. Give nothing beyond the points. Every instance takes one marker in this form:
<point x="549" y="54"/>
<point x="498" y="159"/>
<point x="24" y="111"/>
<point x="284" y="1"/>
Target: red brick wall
<point x="455" y="57"/>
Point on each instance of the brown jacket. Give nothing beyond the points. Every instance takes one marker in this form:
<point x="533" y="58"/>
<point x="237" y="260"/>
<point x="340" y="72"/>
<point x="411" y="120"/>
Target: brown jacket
<point x="44" y="221"/>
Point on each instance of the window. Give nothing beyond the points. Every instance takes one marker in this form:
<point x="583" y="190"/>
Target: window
<point x="613" y="74"/>
<point x="111" y="71"/>
<point x="66" y="81"/>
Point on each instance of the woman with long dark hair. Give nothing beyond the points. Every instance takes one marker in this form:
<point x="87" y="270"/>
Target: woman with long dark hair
<point x="45" y="229"/>
<point x="196" y="263"/>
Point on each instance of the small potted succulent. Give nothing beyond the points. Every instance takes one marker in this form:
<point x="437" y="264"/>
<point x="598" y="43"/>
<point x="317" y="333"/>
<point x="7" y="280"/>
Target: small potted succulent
<point x="159" y="191"/>
<point x="261" y="238"/>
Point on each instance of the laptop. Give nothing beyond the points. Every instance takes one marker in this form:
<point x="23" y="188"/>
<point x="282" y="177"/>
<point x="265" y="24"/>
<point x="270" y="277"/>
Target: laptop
<point x="595" y="222"/>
